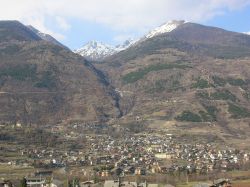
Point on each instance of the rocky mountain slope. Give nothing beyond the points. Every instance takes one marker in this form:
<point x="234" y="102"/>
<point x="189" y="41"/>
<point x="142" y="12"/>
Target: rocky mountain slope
<point x="14" y="31"/>
<point x="46" y="37"/>
<point x="193" y="74"/>
<point x="43" y="83"/>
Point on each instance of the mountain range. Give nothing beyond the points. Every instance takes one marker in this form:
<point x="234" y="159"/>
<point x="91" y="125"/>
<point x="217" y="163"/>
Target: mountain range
<point x="97" y="51"/>
<point x="180" y="75"/>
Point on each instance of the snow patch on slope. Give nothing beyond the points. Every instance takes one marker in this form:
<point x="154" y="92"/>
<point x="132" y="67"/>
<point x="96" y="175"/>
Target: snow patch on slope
<point x="165" y="28"/>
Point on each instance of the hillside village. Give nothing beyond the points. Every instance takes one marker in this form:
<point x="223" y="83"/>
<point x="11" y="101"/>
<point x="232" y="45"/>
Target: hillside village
<point x="142" y="154"/>
<point x="43" y="182"/>
<point x="169" y="109"/>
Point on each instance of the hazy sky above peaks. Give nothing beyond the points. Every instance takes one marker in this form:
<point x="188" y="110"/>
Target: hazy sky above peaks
<point x="75" y="22"/>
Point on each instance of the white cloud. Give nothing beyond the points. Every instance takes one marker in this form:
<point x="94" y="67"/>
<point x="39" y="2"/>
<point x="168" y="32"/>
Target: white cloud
<point x="39" y="22"/>
<point x="124" y="16"/>
<point x="62" y="23"/>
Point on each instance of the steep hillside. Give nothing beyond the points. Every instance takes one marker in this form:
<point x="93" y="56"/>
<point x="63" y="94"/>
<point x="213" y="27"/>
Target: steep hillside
<point x="193" y="74"/>
<point x="14" y="31"/>
<point x="192" y="38"/>
<point x="46" y="37"/>
<point x="44" y="83"/>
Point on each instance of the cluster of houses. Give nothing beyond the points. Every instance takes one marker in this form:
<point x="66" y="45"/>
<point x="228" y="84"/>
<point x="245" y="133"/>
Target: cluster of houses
<point x="127" y="154"/>
<point x="43" y="182"/>
<point x="139" y="154"/>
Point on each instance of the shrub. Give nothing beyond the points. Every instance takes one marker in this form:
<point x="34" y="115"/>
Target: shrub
<point x="162" y="85"/>
<point x="218" y="95"/>
<point x="205" y="116"/>
<point x="219" y="81"/>
<point x="189" y="116"/>
<point x="139" y="74"/>
<point x="19" y="72"/>
<point x="201" y="83"/>
<point x="237" y="111"/>
<point x="236" y="82"/>
<point x="203" y="95"/>
<point x="223" y="95"/>
<point x="47" y="81"/>
<point x="211" y="111"/>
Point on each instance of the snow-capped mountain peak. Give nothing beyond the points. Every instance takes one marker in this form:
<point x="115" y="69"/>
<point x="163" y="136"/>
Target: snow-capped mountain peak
<point x="165" y="28"/>
<point x="95" y="50"/>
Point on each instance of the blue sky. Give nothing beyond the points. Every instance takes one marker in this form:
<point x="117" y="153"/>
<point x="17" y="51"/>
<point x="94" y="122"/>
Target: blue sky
<point x="85" y="31"/>
<point x="75" y="22"/>
<point x="238" y="20"/>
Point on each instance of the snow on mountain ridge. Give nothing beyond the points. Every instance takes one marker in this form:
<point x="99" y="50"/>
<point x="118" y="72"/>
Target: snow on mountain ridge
<point x="165" y="28"/>
<point x="125" y="45"/>
<point x="95" y="50"/>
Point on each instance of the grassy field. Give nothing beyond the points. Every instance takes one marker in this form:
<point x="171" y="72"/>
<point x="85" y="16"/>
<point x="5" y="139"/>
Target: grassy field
<point x="190" y="184"/>
<point x="15" y="172"/>
<point x="241" y="183"/>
